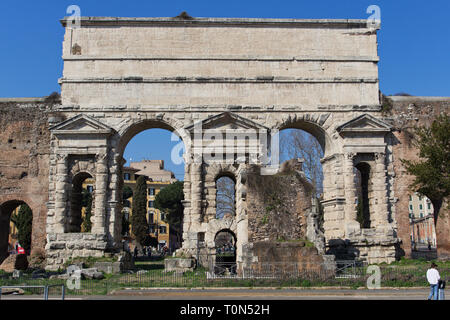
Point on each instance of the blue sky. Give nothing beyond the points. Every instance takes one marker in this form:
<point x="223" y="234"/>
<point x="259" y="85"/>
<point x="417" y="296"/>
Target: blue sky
<point x="414" y="40"/>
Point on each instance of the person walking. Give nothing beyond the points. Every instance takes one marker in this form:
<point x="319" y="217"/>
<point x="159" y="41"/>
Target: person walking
<point x="433" y="278"/>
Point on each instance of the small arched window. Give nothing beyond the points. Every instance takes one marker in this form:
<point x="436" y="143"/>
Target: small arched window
<point x="81" y="201"/>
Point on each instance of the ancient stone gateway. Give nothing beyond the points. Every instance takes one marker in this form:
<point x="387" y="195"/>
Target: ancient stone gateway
<point x="125" y="75"/>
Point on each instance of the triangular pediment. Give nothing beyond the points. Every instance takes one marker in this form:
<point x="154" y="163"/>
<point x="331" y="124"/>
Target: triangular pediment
<point x="228" y="121"/>
<point x="81" y="124"/>
<point x="364" y="123"/>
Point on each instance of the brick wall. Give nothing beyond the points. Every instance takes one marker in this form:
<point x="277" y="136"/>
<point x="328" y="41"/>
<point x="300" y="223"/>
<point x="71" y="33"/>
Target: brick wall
<point x="407" y="112"/>
<point x="24" y="162"/>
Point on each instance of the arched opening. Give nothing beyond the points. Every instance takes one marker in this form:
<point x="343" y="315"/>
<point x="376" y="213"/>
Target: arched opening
<point x="16" y="219"/>
<point x="81" y="203"/>
<point x="363" y="192"/>
<point x="301" y="144"/>
<point x="225" y="197"/>
<point x="151" y="149"/>
<point x="310" y="130"/>
<point x="225" y="252"/>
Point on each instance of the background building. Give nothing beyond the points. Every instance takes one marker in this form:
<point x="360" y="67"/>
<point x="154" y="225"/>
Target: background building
<point x="421" y="221"/>
<point x="157" y="179"/>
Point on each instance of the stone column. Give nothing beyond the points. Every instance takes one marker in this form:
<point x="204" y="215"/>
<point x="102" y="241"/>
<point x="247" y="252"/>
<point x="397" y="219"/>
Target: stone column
<point x="379" y="183"/>
<point x="196" y="192"/>
<point x="352" y="227"/>
<point x="101" y="182"/>
<point x="61" y="193"/>
<point x="350" y="188"/>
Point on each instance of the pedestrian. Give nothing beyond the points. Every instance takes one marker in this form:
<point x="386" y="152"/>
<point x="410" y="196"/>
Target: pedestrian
<point x="135" y="252"/>
<point x="433" y="278"/>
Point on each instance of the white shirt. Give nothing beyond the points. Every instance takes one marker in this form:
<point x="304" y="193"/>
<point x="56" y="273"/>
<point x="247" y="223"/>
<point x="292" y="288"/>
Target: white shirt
<point x="433" y="276"/>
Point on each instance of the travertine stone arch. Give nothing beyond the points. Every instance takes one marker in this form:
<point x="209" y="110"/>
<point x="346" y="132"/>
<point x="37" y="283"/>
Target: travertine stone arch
<point x="314" y="124"/>
<point x="125" y="132"/>
<point x="319" y="125"/>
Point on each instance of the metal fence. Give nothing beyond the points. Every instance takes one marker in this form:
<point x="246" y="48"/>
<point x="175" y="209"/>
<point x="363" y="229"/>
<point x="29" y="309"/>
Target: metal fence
<point x="343" y="274"/>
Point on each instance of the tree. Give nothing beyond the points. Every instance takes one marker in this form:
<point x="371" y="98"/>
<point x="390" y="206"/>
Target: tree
<point x="169" y="200"/>
<point x="225" y="199"/>
<point x="23" y="221"/>
<point x="127" y="193"/>
<point x="432" y="170"/>
<point x="300" y="144"/>
<point x="139" y="223"/>
<point x="86" y="225"/>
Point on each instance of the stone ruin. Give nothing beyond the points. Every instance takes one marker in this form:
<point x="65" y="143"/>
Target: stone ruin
<point x="250" y="76"/>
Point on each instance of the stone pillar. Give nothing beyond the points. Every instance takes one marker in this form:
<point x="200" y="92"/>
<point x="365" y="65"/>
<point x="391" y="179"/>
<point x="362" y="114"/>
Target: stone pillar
<point x="352" y="227"/>
<point x="196" y="192"/>
<point x="101" y="183"/>
<point x="379" y="183"/>
<point x="61" y="193"/>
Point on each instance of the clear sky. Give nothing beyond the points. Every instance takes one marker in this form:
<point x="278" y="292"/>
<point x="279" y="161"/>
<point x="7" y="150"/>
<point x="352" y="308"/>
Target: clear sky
<point x="414" y="40"/>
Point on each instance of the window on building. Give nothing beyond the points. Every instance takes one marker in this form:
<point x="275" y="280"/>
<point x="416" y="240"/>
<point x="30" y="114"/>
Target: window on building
<point x="90" y="189"/>
<point x="150" y="218"/>
<point x="163" y="216"/>
<point x="151" y="191"/>
<point x="411" y="207"/>
<point x="127" y="176"/>
<point x="421" y="215"/>
<point x="151" y="204"/>
<point x="162" y="229"/>
<point x="429" y="206"/>
<point x="410" y="197"/>
<point x="420" y="207"/>
<point x="151" y="229"/>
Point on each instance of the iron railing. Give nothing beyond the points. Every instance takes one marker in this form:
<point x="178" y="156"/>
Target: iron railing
<point x="343" y="274"/>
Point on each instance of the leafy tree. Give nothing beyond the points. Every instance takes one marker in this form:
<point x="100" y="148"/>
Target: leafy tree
<point x="125" y="224"/>
<point x="127" y="192"/>
<point x="86" y="225"/>
<point x="23" y="221"/>
<point x="139" y="223"/>
<point x="432" y="170"/>
<point x="169" y="201"/>
<point x="150" y="241"/>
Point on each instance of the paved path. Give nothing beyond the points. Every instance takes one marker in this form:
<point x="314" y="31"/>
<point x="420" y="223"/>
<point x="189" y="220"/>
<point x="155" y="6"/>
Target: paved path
<point x="249" y="294"/>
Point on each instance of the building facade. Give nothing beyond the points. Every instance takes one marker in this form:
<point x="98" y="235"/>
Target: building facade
<point x="421" y="215"/>
<point x="157" y="178"/>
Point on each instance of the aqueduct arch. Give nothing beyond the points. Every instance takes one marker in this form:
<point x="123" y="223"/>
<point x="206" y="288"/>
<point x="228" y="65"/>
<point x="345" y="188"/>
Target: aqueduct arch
<point x="247" y="75"/>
